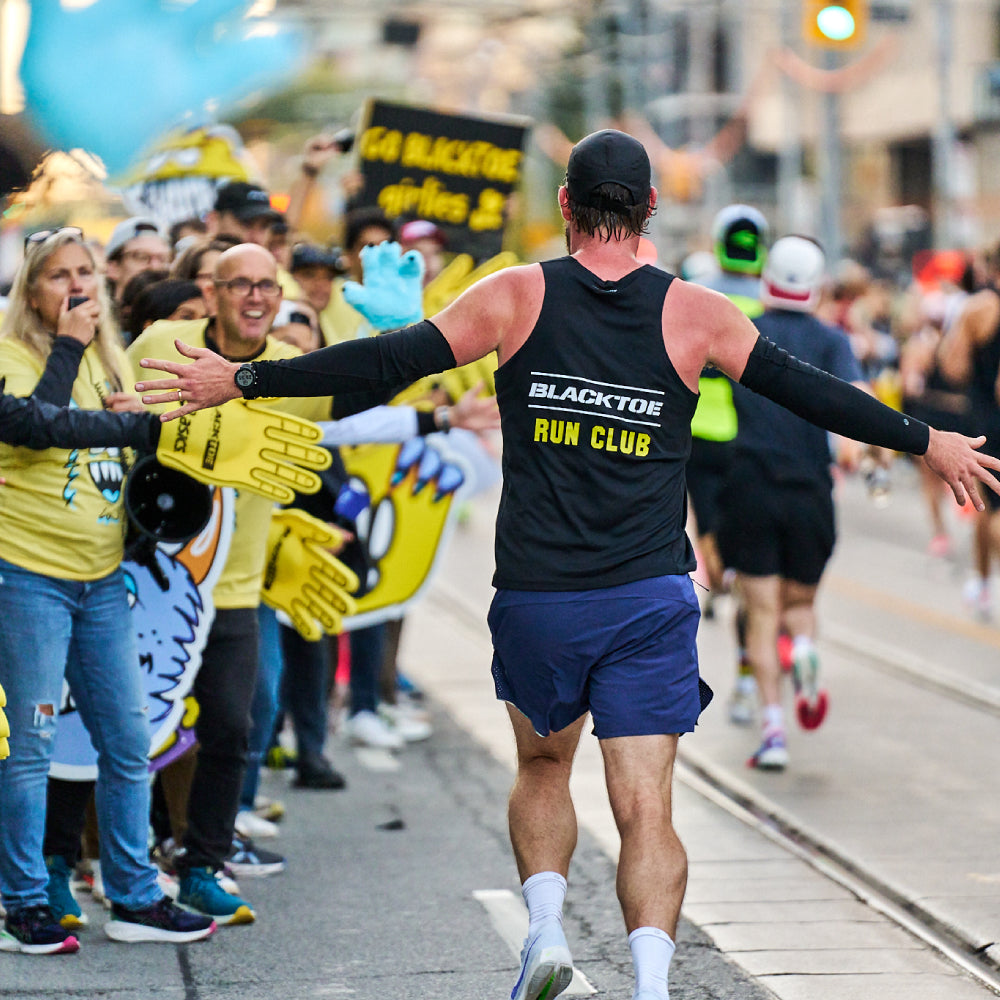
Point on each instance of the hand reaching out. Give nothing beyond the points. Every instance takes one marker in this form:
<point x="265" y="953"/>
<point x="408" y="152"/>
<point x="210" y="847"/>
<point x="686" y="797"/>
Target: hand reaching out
<point x="206" y="381"/>
<point x="956" y="459"/>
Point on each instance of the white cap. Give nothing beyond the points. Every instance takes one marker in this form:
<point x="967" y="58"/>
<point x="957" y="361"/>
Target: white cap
<point x="793" y="275"/>
<point x="127" y="230"/>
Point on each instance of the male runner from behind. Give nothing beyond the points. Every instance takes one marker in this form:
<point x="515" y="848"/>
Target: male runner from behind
<point x="599" y="358"/>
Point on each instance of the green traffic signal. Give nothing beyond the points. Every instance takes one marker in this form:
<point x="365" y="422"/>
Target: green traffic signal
<point x="836" y="23"/>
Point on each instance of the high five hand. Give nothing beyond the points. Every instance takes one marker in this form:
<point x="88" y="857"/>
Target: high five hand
<point x="206" y="381"/>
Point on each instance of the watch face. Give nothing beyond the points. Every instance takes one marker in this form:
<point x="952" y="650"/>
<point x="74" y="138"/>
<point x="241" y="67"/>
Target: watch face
<point x="244" y="377"/>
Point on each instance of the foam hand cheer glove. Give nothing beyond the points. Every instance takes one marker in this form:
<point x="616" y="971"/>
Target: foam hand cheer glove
<point x="302" y="578"/>
<point x="391" y="294"/>
<point x="4" y="728"/>
<point x="248" y="446"/>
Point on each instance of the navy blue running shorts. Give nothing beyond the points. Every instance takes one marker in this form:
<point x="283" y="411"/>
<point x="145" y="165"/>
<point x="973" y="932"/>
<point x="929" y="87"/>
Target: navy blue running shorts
<point x="626" y="654"/>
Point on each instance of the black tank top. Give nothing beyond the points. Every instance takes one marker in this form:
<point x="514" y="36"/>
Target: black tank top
<point x="983" y="405"/>
<point x="596" y="431"/>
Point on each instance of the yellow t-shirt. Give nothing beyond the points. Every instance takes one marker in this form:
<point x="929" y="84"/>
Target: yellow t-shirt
<point x="240" y="581"/>
<point x="61" y="511"/>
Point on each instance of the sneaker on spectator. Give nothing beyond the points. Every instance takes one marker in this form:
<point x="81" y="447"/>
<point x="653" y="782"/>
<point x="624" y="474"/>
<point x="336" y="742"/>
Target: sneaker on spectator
<point x="319" y="773"/>
<point x="269" y="809"/>
<point x="247" y="859"/>
<point x="202" y="893"/>
<point x="280" y="759"/>
<point x="228" y="883"/>
<point x="82" y="879"/>
<point x="772" y="754"/>
<point x="97" y="892"/>
<point x="404" y="718"/>
<point x="168" y="884"/>
<point x="62" y="903"/>
<point x="33" y="930"/>
<point x="405" y="686"/>
<point x="366" y="729"/>
<point x="250" y="825"/>
<point x="163" y="921"/>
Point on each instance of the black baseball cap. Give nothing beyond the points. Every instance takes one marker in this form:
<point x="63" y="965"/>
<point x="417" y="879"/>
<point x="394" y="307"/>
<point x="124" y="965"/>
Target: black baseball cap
<point x="311" y="255"/>
<point x="245" y="201"/>
<point x="608" y="157"/>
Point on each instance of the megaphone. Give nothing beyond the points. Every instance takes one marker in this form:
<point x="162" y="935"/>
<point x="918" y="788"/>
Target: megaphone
<point x="164" y="505"/>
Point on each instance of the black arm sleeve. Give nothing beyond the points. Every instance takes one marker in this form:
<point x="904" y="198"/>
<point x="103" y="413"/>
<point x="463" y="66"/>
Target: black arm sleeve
<point x="829" y="402"/>
<point x="56" y="384"/>
<point x="30" y="423"/>
<point x="392" y="359"/>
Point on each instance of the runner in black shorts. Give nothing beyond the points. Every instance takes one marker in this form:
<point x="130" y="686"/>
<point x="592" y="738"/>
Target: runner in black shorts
<point x="599" y="358"/>
<point x="777" y="524"/>
<point x="970" y="358"/>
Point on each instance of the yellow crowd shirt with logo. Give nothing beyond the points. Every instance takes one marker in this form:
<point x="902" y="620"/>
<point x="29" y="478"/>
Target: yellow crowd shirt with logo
<point x="62" y="511"/>
<point x="239" y="584"/>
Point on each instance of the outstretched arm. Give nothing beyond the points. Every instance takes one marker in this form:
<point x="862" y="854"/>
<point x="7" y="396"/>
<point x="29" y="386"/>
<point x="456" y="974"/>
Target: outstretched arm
<point x="843" y="408"/>
<point x="31" y="423"/>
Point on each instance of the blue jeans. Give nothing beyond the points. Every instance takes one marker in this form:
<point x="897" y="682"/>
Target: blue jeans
<point x="53" y="629"/>
<point x="266" y="702"/>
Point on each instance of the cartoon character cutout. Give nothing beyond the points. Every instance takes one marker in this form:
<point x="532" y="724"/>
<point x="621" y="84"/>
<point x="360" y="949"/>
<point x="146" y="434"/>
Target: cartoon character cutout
<point x="402" y="499"/>
<point x="171" y="628"/>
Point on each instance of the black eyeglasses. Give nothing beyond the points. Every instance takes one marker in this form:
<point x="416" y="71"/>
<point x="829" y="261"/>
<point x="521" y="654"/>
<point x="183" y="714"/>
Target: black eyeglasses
<point x="243" y="287"/>
<point x="42" y="235"/>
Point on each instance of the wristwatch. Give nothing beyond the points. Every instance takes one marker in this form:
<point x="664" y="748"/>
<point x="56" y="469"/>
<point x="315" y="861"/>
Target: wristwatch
<point x="245" y="377"/>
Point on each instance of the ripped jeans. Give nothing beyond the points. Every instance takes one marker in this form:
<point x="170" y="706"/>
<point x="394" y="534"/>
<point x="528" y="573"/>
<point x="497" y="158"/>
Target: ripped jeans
<point x="51" y="629"/>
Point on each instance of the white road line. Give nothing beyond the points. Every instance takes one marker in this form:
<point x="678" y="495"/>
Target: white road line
<point x="509" y="917"/>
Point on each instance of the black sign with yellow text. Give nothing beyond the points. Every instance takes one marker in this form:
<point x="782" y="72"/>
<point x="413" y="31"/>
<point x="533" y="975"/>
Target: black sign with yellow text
<point x="453" y="170"/>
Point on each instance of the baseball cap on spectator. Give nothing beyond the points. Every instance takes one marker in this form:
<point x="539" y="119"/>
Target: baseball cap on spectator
<point x="245" y="201"/>
<point x="422" y="229"/>
<point x="310" y="255"/>
<point x="608" y="157"/>
<point x="127" y="230"/>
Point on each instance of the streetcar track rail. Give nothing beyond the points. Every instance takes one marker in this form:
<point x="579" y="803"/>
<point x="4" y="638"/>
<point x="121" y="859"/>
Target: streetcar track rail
<point x="723" y="789"/>
<point x="779" y="826"/>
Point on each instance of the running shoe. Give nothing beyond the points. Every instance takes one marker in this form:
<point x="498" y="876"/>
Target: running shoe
<point x="163" y="921"/>
<point x="65" y="909"/>
<point x="743" y="702"/>
<point x="33" y="930"/>
<point x="977" y="598"/>
<point x="280" y="759"/>
<point x="201" y="893"/>
<point x="249" y="824"/>
<point x="811" y="701"/>
<point x="772" y="754"/>
<point x="247" y="859"/>
<point x="546" y="965"/>
<point x="404" y="718"/>
<point x="366" y="729"/>
<point x="318" y="772"/>
<point x="270" y="809"/>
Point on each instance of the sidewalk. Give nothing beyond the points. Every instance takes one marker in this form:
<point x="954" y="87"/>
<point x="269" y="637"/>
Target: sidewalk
<point x="799" y="933"/>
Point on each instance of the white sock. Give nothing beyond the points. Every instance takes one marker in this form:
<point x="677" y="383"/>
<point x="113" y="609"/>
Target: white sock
<point x="773" y="717"/>
<point x="652" y="951"/>
<point x="543" y="894"/>
<point x="802" y="646"/>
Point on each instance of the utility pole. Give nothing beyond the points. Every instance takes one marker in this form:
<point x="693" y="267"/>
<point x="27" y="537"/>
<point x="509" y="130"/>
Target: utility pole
<point x="944" y="132"/>
<point x="830" y="168"/>
<point x="790" y="154"/>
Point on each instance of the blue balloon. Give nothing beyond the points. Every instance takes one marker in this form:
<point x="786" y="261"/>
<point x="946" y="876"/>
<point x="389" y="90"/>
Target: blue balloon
<point x="111" y="77"/>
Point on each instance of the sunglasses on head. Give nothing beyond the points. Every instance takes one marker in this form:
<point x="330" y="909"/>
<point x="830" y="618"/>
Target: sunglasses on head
<point x="40" y="237"/>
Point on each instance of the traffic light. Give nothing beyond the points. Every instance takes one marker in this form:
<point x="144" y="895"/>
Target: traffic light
<point x="839" y="25"/>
